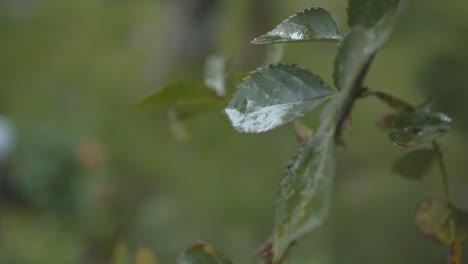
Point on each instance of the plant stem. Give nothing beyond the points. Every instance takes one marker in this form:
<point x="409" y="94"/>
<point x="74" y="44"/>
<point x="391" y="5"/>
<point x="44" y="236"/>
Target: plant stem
<point x="350" y="99"/>
<point x="390" y="100"/>
<point x="443" y="170"/>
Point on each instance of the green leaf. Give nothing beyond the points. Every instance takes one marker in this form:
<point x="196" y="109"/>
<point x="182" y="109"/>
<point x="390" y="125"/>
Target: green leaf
<point x="313" y="24"/>
<point x="183" y="94"/>
<point x="367" y="13"/>
<point x="215" y="69"/>
<point x="305" y="192"/>
<point x="415" y="128"/>
<point x="275" y="95"/>
<point x="415" y="164"/>
<point x="201" y="253"/>
<point x="442" y="222"/>
<point x="357" y="50"/>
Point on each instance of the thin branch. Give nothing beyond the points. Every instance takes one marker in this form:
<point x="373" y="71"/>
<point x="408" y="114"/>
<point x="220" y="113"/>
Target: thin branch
<point x="443" y="170"/>
<point x="302" y="132"/>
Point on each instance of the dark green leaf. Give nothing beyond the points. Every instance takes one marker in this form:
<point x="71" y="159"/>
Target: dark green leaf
<point x="415" y="164"/>
<point x="442" y="222"/>
<point x="305" y="192"/>
<point x="185" y="94"/>
<point x="415" y="128"/>
<point x="368" y="13"/>
<point x="313" y="24"/>
<point x="201" y="253"/>
<point x="215" y="69"/>
<point x="275" y="95"/>
<point x="357" y="50"/>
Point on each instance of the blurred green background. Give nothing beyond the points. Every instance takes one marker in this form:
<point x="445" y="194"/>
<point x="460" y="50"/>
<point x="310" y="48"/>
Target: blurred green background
<point x="81" y="170"/>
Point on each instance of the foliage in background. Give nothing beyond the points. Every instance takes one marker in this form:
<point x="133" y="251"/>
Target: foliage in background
<point x="71" y="72"/>
<point x="280" y="93"/>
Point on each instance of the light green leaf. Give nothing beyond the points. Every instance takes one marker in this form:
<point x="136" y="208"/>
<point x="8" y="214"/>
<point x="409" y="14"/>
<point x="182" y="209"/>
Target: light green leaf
<point x="415" y="128"/>
<point x="415" y="164"/>
<point x="305" y="192"/>
<point x="183" y="94"/>
<point x="313" y="24"/>
<point x="201" y="253"/>
<point x="442" y="222"/>
<point x="275" y="95"/>
<point x="215" y="69"/>
<point x="367" y="13"/>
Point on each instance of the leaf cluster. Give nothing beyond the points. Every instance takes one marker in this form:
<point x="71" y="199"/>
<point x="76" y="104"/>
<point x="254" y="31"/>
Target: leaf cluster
<point x="278" y="94"/>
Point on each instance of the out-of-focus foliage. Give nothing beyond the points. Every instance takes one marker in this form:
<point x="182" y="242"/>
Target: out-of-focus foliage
<point x="90" y="171"/>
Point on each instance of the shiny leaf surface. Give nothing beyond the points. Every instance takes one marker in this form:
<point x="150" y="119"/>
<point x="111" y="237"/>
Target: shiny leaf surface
<point x="442" y="222"/>
<point x="275" y="95"/>
<point x="305" y="192"/>
<point x="313" y="24"/>
<point x="415" y="128"/>
<point x="201" y="253"/>
<point x="368" y="13"/>
<point x="415" y="164"/>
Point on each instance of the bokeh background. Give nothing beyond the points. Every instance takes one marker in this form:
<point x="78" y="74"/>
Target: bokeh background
<point x="82" y="170"/>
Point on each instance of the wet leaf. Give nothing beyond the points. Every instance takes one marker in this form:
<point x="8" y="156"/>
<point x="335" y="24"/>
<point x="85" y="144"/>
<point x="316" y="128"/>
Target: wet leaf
<point x="201" y="253"/>
<point x="184" y="95"/>
<point x="275" y="95"/>
<point x="368" y="13"/>
<point x="305" y="192"/>
<point x="215" y="69"/>
<point x="415" y="164"/>
<point x="313" y="24"/>
<point x="442" y="222"/>
<point x="415" y="128"/>
<point x="357" y="50"/>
